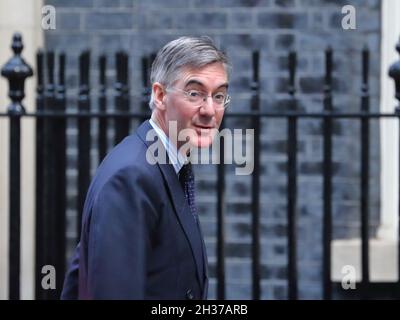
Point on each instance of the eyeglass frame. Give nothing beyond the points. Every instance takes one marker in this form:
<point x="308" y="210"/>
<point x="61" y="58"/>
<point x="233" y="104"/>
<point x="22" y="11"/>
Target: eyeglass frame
<point x="223" y="106"/>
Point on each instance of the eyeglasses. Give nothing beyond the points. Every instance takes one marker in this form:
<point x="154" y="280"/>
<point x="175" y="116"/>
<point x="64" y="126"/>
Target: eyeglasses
<point x="220" y="99"/>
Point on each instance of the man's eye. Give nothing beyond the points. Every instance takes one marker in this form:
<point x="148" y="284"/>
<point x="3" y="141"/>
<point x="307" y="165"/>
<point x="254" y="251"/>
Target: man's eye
<point x="194" y="94"/>
<point x="219" y="96"/>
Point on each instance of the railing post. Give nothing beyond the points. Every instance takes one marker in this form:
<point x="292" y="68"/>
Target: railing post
<point x="327" y="178"/>
<point x="292" y="183"/>
<point x="60" y="176"/>
<point x="122" y="125"/>
<point x="102" y="108"/>
<point x="255" y="186"/>
<point x="84" y="134"/>
<point x="16" y="70"/>
<point x="49" y="161"/>
<point x="39" y="178"/>
<point x="365" y="172"/>
<point x="221" y="218"/>
<point x="146" y="91"/>
<point x="394" y="72"/>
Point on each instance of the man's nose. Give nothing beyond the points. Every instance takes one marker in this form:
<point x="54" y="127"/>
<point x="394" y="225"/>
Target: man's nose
<point x="207" y="108"/>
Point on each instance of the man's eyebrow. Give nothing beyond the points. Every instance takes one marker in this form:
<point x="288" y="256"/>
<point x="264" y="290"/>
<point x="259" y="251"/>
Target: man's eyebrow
<point x="194" y="81"/>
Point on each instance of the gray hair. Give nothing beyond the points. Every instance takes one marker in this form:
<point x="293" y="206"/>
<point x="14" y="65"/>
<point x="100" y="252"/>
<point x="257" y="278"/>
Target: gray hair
<point x="193" y="52"/>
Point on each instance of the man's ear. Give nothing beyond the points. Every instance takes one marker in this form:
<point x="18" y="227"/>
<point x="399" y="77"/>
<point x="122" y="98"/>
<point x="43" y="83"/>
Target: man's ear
<point x="159" y="95"/>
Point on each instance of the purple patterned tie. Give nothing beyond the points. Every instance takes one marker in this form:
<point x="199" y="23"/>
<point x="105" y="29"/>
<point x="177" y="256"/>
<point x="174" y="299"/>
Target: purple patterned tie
<point x="186" y="178"/>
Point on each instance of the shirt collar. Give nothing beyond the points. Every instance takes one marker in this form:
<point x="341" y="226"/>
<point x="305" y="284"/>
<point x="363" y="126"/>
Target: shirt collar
<point x="176" y="158"/>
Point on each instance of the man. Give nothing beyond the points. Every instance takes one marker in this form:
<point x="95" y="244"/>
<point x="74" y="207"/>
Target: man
<point x="141" y="237"/>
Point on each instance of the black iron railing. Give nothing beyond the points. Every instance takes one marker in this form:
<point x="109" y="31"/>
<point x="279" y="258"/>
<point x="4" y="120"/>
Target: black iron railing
<point x="51" y="123"/>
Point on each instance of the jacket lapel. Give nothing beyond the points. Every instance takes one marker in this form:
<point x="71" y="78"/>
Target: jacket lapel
<point x="181" y="207"/>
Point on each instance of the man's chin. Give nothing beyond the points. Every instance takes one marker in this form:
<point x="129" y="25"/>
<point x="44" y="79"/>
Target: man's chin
<point x="203" y="141"/>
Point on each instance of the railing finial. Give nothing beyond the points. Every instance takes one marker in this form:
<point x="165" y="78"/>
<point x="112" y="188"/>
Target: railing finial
<point x="16" y="70"/>
<point x="394" y="72"/>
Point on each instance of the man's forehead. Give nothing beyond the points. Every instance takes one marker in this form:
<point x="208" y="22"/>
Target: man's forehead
<point x="214" y="68"/>
<point x="199" y="76"/>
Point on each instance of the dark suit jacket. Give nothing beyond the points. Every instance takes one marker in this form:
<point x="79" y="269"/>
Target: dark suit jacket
<point x="139" y="239"/>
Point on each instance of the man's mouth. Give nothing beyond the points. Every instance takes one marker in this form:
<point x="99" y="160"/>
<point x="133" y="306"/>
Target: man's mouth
<point x="203" y="126"/>
<point x="203" y="130"/>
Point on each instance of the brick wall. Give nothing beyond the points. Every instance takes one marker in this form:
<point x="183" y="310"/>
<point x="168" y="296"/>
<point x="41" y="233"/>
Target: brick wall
<point x="240" y="26"/>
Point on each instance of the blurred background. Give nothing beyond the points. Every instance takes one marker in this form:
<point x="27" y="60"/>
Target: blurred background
<point x="321" y="208"/>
